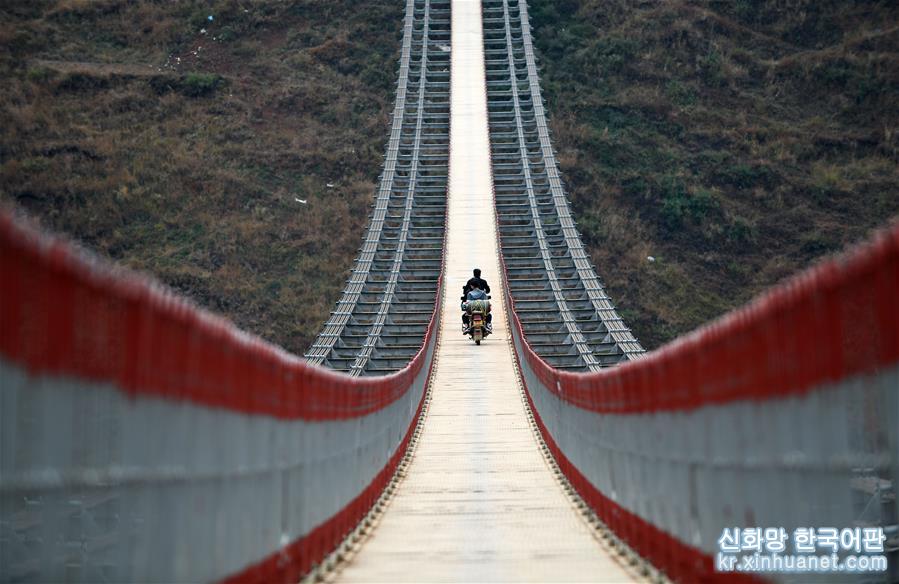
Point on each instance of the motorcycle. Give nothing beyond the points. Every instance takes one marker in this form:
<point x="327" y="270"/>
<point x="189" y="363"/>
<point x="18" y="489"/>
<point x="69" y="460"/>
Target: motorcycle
<point x="477" y="311"/>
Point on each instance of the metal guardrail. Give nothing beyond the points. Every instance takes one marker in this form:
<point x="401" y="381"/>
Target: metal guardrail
<point x="143" y="439"/>
<point x="380" y="320"/>
<point x="566" y="313"/>
<point x="782" y="414"/>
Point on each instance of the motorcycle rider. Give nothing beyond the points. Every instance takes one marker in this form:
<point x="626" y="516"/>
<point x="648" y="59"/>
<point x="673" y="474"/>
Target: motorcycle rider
<point x="478" y="281"/>
<point x="475" y="289"/>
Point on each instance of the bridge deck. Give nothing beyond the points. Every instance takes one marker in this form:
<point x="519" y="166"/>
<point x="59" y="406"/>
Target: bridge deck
<point x="479" y="501"/>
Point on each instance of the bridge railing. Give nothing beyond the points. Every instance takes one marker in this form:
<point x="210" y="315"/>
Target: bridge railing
<point x="784" y="413"/>
<point x="143" y="439"/>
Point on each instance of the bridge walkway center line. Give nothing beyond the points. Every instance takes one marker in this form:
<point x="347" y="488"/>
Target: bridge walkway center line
<point x="479" y="502"/>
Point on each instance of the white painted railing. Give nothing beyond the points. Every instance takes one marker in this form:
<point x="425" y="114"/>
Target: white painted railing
<point x="142" y="439"/>
<point x="784" y="413"/>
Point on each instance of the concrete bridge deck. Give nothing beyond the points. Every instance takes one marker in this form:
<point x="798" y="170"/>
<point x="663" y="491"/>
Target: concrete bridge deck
<point x="479" y="502"/>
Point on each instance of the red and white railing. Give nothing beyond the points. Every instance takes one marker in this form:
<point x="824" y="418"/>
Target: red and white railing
<point x="784" y="413"/>
<point x="142" y="438"/>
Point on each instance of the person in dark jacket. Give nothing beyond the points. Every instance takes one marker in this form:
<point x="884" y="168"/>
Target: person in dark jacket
<point x="476" y="281"/>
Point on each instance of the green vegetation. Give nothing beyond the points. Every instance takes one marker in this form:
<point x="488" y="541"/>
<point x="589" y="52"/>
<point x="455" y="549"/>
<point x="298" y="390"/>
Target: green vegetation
<point x="733" y="141"/>
<point x="197" y="84"/>
<point x="179" y="145"/>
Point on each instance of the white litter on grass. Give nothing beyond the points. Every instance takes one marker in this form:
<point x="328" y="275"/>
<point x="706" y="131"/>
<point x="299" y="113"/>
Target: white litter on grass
<point x="300" y="201"/>
<point x="210" y="18"/>
<point x="329" y="185"/>
<point x="650" y="259"/>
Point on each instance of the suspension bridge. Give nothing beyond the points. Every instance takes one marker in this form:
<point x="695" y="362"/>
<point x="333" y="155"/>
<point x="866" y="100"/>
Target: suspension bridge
<point x="143" y="439"/>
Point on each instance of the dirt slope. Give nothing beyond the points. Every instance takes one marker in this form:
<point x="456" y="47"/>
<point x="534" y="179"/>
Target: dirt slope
<point x="733" y="141"/>
<point x="180" y="145"/>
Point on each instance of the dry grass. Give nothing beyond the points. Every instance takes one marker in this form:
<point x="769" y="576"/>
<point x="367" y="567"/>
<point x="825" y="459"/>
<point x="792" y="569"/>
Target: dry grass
<point x="734" y="141"/>
<point x="731" y="140"/>
<point x="181" y="153"/>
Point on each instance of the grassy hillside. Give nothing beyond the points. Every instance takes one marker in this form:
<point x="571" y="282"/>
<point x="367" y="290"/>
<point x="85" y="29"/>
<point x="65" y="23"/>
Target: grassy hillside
<point x="179" y="144"/>
<point x="733" y="141"/>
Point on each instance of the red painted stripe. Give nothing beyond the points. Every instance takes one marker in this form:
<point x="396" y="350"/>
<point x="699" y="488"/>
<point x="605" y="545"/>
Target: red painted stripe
<point x="837" y="320"/>
<point x="64" y="313"/>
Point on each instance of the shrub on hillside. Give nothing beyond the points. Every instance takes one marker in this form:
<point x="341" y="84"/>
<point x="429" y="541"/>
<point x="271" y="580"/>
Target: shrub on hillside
<point x="199" y="84"/>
